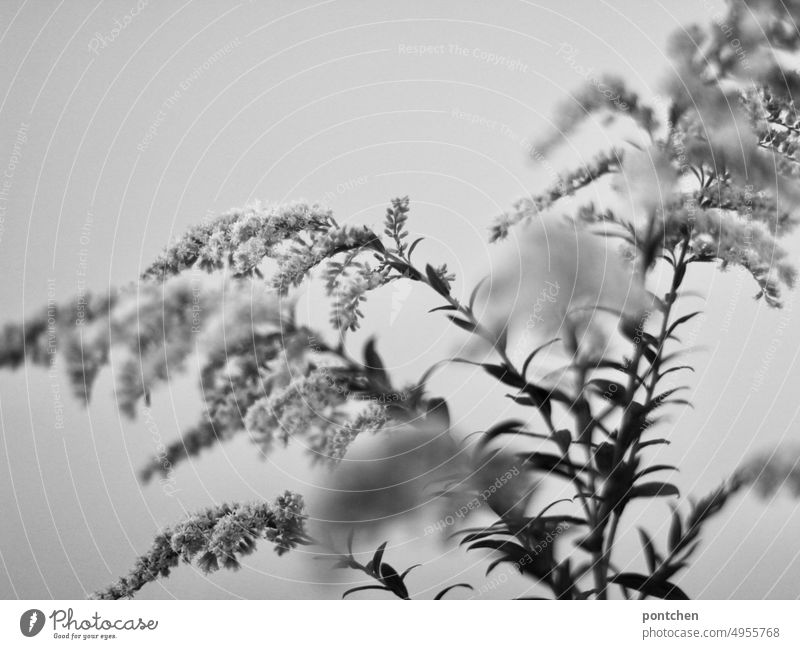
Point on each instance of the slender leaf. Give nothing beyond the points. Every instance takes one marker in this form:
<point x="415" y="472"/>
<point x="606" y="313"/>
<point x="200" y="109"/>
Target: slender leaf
<point x="533" y="354"/>
<point x="648" y="586"/>
<point x="653" y="469"/>
<point x="413" y="246"/>
<point x="378" y="558"/>
<point x="650" y="553"/>
<point x="359" y="588"/>
<point x="675" y="531"/>
<point x="475" y="290"/>
<point x="436" y="282"/>
<point x="444" y="592"/>
<point x="654" y="489"/>
<point x="463" y="324"/>
<point x="681" y="320"/>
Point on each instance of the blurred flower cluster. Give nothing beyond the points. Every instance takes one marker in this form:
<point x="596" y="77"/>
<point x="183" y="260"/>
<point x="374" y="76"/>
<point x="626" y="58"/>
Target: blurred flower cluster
<point x="716" y="155"/>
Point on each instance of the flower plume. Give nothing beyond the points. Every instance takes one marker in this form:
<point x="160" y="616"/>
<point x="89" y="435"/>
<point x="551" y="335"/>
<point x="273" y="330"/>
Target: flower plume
<point x="214" y="538"/>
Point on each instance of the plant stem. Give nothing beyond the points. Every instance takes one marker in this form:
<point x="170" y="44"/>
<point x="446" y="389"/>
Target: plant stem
<point x="677" y="278"/>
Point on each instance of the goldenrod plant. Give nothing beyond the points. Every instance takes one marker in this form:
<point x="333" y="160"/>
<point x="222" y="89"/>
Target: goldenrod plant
<point x="705" y="174"/>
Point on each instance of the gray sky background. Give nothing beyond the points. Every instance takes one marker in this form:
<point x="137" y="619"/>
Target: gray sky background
<point x="116" y="142"/>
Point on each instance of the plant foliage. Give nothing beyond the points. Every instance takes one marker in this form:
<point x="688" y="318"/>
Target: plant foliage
<point x="724" y="150"/>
